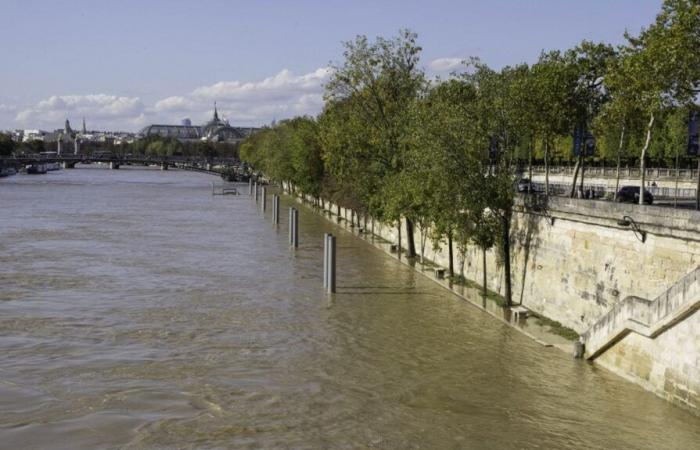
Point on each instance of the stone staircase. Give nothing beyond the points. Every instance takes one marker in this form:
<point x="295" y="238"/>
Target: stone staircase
<point x="648" y="318"/>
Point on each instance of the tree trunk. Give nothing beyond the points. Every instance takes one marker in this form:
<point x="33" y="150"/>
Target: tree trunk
<point x="619" y="158"/>
<point x="337" y="208"/>
<point x="450" y="255"/>
<point x="529" y="166"/>
<point x="485" y="282"/>
<point x="583" y="174"/>
<point x="573" y="184"/>
<point x="399" y="227"/>
<point x="642" y="159"/>
<point x="546" y="167"/>
<point x="505" y="220"/>
<point x="410" y="238"/>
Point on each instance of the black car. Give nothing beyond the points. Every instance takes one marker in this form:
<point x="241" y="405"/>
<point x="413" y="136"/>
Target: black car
<point x="630" y="194"/>
<point x="524" y="185"/>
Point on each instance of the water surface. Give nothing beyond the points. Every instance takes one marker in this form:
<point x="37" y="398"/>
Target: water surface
<point x="138" y="311"/>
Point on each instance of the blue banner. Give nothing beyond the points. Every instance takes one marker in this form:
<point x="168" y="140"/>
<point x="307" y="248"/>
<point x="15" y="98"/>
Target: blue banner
<point x="693" y="132"/>
<point x="584" y="142"/>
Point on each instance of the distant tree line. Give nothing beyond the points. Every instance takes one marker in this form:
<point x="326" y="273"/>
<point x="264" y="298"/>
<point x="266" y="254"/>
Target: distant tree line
<point x="443" y="155"/>
<point x="154" y="146"/>
<point x="158" y="146"/>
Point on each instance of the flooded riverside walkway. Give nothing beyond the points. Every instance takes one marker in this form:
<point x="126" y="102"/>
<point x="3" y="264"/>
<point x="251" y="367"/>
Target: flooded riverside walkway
<point x="138" y="311"/>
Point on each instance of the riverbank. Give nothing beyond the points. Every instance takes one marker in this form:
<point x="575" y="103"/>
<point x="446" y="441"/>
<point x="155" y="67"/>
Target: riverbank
<point x="541" y="329"/>
<point x="573" y="262"/>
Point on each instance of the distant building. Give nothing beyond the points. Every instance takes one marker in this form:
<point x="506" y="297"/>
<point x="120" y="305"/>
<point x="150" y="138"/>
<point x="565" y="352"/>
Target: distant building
<point x="34" y="135"/>
<point x="216" y="130"/>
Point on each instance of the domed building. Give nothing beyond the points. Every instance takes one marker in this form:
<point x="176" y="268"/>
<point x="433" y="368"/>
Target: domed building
<point x="216" y="130"/>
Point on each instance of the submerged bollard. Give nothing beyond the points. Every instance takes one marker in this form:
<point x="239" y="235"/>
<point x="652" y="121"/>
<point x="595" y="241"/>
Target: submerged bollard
<point x="295" y="236"/>
<point x="293" y="227"/>
<point x="325" y="260"/>
<point x="263" y="199"/>
<point x="275" y="209"/>
<point x="331" y="265"/>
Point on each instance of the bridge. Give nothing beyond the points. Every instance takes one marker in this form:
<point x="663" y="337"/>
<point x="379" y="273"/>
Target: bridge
<point x="229" y="168"/>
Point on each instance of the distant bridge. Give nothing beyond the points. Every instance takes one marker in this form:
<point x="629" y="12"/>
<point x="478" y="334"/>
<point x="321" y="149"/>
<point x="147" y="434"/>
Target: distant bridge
<point x="230" y="168"/>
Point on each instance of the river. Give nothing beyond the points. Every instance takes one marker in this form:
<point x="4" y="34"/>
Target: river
<point x="138" y="311"/>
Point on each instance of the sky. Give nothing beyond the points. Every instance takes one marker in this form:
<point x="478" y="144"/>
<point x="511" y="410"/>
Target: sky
<point x="125" y="64"/>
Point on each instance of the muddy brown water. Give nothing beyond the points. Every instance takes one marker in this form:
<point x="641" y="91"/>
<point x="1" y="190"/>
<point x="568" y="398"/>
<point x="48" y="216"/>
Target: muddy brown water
<point x="138" y="311"/>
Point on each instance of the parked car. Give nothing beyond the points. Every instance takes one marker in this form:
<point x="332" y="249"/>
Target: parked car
<point x="524" y="185"/>
<point x="630" y="194"/>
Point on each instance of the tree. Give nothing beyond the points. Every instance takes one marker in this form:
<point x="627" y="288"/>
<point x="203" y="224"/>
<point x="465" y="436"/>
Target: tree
<point x="660" y="68"/>
<point x="493" y="149"/>
<point x="591" y="63"/>
<point x="374" y="89"/>
<point x="305" y="150"/>
<point x="554" y="88"/>
<point x="443" y="159"/>
<point x="7" y="145"/>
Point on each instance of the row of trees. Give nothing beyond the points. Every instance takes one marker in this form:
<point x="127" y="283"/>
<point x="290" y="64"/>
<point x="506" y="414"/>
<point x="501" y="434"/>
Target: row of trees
<point x="154" y="146"/>
<point x="443" y="155"/>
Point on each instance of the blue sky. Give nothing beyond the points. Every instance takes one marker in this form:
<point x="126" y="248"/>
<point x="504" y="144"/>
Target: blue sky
<point x="125" y="64"/>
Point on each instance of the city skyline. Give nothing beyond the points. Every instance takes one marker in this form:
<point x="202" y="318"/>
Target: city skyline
<point x="129" y="65"/>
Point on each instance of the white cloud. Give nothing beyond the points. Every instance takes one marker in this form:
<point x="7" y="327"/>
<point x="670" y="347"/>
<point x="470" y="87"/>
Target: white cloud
<point x="251" y="102"/>
<point x="445" y="64"/>
<point x="244" y="103"/>
<point x="174" y="103"/>
<point x="110" y="110"/>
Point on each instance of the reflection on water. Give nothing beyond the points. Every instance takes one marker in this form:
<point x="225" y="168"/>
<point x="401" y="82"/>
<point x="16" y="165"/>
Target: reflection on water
<point x="138" y="311"/>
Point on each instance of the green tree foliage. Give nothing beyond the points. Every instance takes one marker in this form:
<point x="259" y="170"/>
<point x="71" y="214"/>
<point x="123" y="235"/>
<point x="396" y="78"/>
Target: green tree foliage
<point x="7" y="145"/>
<point x="376" y="88"/>
<point x="444" y="155"/>
<point x="660" y="68"/>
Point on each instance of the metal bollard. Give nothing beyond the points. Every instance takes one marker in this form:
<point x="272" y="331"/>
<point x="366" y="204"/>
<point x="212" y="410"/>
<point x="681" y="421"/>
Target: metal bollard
<point x="276" y="209"/>
<point x="295" y="237"/>
<point x="331" y="264"/>
<point x="250" y="187"/>
<point x="255" y="188"/>
<point x="263" y="199"/>
<point x="325" y="260"/>
<point x="293" y="227"/>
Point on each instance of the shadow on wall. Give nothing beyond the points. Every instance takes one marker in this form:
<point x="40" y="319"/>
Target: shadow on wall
<point x="527" y="236"/>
